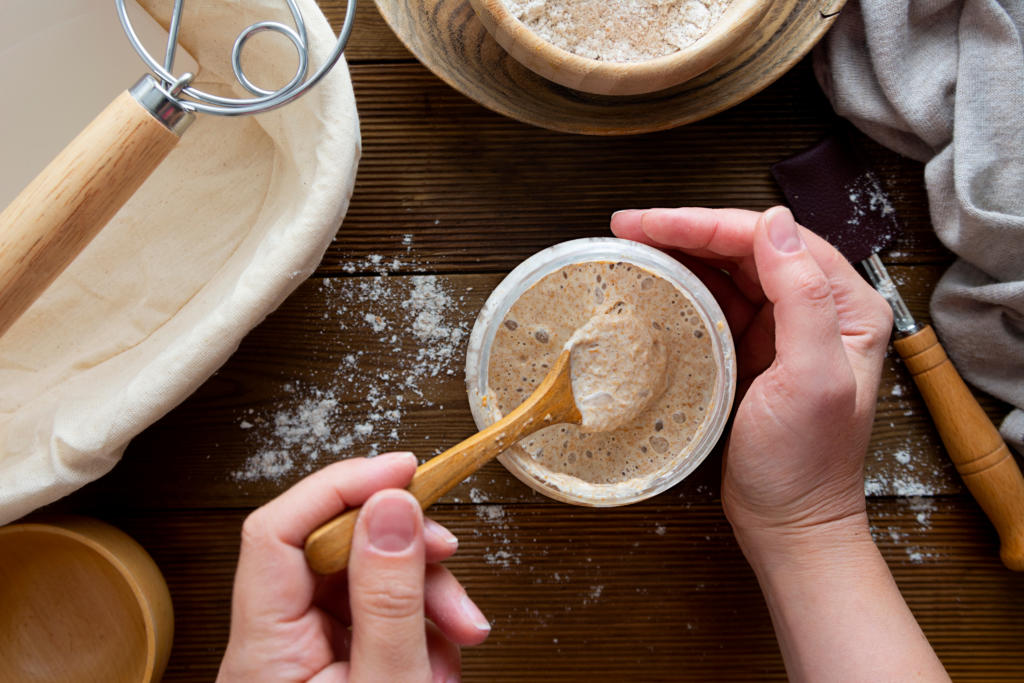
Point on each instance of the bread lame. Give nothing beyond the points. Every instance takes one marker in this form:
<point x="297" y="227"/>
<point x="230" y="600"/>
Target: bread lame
<point x="833" y="191"/>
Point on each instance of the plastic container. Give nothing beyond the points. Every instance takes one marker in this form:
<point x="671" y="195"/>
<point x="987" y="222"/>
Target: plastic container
<point x="613" y="250"/>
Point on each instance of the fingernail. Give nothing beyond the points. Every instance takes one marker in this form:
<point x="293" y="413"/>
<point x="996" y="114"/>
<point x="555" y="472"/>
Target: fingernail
<point x="454" y="678"/>
<point x="395" y="455"/>
<point x="625" y="213"/>
<point x="475" y="616"/>
<point x="440" y="533"/>
<point x="782" y="230"/>
<point x="392" y="523"/>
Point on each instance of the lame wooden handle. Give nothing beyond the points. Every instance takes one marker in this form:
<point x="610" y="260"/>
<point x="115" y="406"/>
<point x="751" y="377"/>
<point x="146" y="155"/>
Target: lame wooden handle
<point x="974" y="444"/>
<point x="67" y="204"/>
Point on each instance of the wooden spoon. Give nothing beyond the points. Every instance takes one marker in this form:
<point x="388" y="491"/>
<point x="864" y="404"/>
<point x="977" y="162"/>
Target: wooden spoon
<point x="327" y="548"/>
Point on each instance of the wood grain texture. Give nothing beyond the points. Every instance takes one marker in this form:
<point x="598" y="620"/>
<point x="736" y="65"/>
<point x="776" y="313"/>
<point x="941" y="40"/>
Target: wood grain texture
<point x="450" y="40"/>
<point x="445" y="172"/>
<point x="371" y="39"/>
<point x="68" y="203"/>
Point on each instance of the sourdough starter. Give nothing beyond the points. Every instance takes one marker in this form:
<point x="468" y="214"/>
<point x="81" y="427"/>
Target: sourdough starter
<point x="533" y="334"/>
<point x="617" y="368"/>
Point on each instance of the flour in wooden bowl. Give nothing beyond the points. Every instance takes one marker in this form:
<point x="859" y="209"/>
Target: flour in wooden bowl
<point x="619" y="30"/>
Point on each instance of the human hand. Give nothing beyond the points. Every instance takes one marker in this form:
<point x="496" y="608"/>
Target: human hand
<point x="287" y="624"/>
<point x="810" y="335"/>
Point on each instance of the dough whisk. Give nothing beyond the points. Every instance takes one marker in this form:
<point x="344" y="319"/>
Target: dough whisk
<point x="68" y="203"/>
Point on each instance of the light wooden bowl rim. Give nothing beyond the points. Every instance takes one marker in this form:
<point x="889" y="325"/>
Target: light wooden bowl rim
<point x="77" y="529"/>
<point x="450" y="41"/>
<point x="601" y="77"/>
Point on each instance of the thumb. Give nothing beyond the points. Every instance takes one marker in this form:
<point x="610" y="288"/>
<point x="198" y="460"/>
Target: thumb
<point x="809" y="351"/>
<point x="385" y="579"/>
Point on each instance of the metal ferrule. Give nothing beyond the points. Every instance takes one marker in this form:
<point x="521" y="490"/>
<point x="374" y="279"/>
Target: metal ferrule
<point x="164" y="108"/>
<point x="879" y="278"/>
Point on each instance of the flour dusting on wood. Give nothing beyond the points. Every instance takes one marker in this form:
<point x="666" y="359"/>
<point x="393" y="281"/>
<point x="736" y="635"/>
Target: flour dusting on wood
<point x="415" y="321"/>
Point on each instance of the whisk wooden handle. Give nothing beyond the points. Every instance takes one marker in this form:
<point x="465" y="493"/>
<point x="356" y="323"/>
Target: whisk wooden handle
<point x="56" y="216"/>
<point x="975" y="446"/>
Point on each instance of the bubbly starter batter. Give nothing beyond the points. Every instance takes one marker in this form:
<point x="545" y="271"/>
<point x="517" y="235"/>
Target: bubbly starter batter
<point x="535" y="331"/>
<point x="616" y="367"/>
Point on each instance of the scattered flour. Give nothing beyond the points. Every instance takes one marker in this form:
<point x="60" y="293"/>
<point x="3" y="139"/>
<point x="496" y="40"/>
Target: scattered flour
<point x="376" y="323"/>
<point x="491" y="513"/>
<point x="593" y="595"/>
<point x="911" y="469"/>
<point x="922" y="507"/>
<point x="910" y="482"/>
<point x="867" y="196"/>
<point x="417" y="324"/>
<point x="500" y="553"/>
<point x="500" y="558"/>
<point x="267" y="464"/>
<point x="619" y="30"/>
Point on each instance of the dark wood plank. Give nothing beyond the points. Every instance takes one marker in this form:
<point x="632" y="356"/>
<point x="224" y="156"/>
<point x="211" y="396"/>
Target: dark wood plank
<point x="371" y="38"/>
<point x="655" y="591"/>
<point x="449" y="173"/>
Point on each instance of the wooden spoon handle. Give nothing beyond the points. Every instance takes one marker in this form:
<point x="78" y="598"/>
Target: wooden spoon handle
<point x="327" y="548"/>
<point x="67" y="204"/>
<point x="974" y="444"/>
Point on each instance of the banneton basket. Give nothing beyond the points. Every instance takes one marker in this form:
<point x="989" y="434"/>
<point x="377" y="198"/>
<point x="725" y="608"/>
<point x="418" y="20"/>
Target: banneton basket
<point x="599" y="77"/>
<point x="235" y="218"/>
<point x="548" y="261"/>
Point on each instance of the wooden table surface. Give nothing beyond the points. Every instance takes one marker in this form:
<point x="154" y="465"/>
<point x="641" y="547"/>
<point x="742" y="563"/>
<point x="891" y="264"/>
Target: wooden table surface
<point x="654" y="591"/>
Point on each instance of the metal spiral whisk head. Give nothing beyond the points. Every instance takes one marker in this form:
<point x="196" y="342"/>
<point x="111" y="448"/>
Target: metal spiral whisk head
<point x="180" y="90"/>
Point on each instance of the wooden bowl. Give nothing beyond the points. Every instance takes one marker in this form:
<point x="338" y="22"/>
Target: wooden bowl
<point x="80" y="601"/>
<point x="449" y="39"/>
<point x="621" y="78"/>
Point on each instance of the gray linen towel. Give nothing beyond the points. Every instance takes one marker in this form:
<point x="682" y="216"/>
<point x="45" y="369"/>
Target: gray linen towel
<point x="942" y="81"/>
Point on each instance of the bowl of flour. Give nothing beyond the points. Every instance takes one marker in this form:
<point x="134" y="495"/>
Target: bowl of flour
<point x="620" y="47"/>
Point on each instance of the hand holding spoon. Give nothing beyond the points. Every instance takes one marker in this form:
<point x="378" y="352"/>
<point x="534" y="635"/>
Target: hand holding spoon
<point x="609" y="371"/>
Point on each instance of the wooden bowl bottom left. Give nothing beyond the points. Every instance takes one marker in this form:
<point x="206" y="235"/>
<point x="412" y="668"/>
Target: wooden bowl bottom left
<point x="80" y="601"/>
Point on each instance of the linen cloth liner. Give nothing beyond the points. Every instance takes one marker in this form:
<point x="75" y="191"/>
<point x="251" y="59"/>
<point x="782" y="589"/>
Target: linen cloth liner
<point x="942" y="81"/>
<point x="235" y="218"/>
